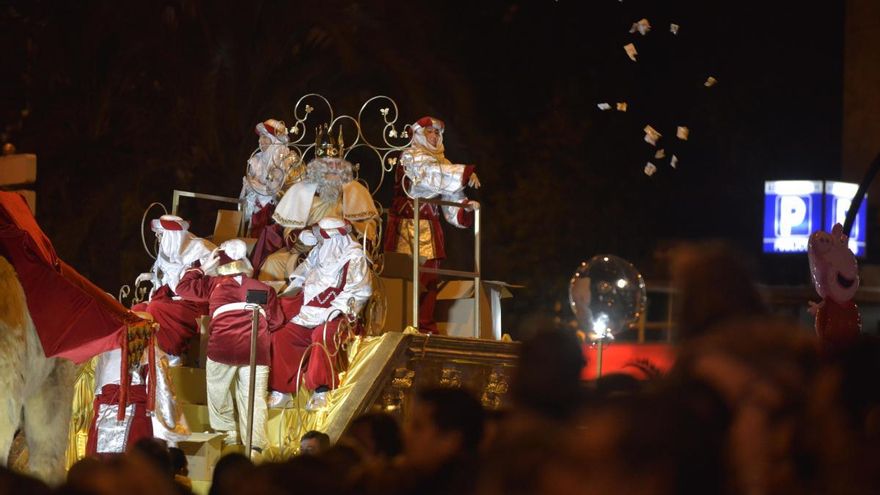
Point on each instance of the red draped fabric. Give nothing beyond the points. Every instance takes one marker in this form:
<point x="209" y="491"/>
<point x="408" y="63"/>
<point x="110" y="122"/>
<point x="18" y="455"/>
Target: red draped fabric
<point x="260" y="219"/>
<point x="177" y="319"/>
<point x="74" y="318"/>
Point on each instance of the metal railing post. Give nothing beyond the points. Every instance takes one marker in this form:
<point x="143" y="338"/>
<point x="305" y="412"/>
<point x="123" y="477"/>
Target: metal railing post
<point x="417" y="269"/>
<point x="415" y="262"/>
<point x="477" y="272"/>
<point x="252" y="381"/>
<point x="177" y="194"/>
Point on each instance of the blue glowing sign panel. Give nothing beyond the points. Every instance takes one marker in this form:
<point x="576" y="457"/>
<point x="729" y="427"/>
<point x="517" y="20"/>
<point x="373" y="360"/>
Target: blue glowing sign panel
<point x="838" y="197"/>
<point x="792" y="211"/>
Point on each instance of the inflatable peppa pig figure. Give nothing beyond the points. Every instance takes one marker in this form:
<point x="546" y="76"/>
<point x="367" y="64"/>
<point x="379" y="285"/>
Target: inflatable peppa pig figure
<point x="836" y="278"/>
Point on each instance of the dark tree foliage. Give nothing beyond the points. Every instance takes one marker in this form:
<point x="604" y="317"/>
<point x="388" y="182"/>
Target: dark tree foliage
<point x="127" y="101"/>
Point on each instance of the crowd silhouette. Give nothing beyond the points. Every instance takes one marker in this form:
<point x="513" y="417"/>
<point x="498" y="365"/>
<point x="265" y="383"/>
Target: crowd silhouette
<point x="752" y="405"/>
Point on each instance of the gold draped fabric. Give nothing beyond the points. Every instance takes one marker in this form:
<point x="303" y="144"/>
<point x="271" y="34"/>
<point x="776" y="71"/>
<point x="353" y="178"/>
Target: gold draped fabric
<point x="285" y="429"/>
<point x="406" y="231"/>
<point x="294" y="422"/>
<point x="81" y="412"/>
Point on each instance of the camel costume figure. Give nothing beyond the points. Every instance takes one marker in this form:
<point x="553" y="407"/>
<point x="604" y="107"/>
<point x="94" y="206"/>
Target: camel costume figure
<point x="47" y="312"/>
<point x="267" y="172"/>
<point x="328" y="190"/>
<point x="178" y="250"/>
<point x="42" y="386"/>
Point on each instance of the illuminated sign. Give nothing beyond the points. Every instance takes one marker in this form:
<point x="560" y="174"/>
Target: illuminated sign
<point x="794" y="209"/>
<point x="838" y="197"/>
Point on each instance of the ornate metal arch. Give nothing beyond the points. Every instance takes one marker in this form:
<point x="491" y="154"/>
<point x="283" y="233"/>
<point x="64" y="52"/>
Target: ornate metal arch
<point x="383" y="147"/>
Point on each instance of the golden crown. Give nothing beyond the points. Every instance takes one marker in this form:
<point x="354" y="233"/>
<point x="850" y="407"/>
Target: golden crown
<point x="326" y="146"/>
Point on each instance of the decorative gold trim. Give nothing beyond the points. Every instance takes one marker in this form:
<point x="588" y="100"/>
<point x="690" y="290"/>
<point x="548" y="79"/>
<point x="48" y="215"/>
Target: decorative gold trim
<point x="403" y="378"/>
<point x="450" y="378"/>
<point x="495" y="388"/>
<point x="287" y="222"/>
<point x="234" y="268"/>
<point x="360" y="216"/>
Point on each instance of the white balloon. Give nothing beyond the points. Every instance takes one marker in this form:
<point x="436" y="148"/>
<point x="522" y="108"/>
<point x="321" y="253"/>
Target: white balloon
<point x="607" y="295"/>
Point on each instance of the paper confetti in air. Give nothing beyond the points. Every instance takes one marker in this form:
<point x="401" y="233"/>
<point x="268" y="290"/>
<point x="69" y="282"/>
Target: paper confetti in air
<point x="660" y="154"/>
<point x="650" y="169"/>
<point x="673" y="162"/>
<point x="621" y="106"/>
<point x="651" y="135"/>
<point x="631" y="51"/>
<point x="643" y="26"/>
<point x="604" y="106"/>
<point x="673" y="28"/>
<point x="710" y="81"/>
<point x="682" y="133"/>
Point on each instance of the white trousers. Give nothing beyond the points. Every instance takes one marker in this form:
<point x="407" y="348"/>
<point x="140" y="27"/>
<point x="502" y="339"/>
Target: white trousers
<point x="228" y="392"/>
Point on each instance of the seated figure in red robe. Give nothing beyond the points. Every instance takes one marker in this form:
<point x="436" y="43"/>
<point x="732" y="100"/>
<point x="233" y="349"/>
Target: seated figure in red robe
<point x="177" y="318"/>
<point x="331" y="286"/>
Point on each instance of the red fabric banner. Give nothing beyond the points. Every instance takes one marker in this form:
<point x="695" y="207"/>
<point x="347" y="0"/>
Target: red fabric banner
<point x="74" y="318"/>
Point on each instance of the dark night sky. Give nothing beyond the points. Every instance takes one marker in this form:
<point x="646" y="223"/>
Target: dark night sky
<point x="128" y="103"/>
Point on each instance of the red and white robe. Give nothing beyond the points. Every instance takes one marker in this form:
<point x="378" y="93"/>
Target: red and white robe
<point x="335" y="279"/>
<point x="148" y="413"/>
<point x="426" y="175"/>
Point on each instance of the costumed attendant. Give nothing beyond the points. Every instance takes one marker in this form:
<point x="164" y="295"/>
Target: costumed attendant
<point x="331" y="286"/>
<point x="177" y="318"/>
<point x="328" y="190"/>
<point x="835" y="274"/>
<point x="227" y="367"/>
<point x="267" y="172"/>
<point x="424" y="172"/>
<point x="134" y="397"/>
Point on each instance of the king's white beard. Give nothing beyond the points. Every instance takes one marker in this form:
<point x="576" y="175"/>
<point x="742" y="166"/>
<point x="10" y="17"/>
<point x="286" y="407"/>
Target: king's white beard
<point x="329" y="189"/>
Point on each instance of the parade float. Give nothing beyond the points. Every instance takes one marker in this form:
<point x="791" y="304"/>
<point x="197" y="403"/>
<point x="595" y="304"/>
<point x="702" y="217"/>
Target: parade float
<point x="374" y="318"/>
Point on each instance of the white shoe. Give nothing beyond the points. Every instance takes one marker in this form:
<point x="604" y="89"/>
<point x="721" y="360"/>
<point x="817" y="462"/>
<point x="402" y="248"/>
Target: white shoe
<point x="231" y="438"/>
<point x="317" y="401"/>
<point x="279" y="400"/>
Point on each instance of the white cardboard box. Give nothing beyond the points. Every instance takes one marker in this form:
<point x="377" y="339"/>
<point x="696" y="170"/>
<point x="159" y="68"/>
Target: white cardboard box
<point x="202" y="453"/>
<point x="454" y="311"/>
